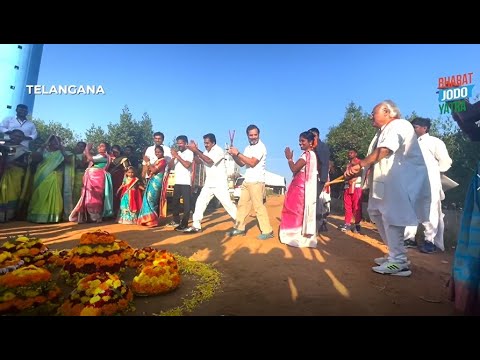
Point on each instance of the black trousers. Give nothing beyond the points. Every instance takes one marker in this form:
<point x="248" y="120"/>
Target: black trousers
<point x="318" y="220"/>
<point x="184" y="192"/>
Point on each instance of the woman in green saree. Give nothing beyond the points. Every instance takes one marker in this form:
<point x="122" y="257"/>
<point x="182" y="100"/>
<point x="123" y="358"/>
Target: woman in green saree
<point x="46" y="203"/>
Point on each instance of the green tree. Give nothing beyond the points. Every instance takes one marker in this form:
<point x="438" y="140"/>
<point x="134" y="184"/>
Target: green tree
<point x="355" y="131"/>
<point x="69" y="138"/>
<point x="96" y="135"/>
<point x="129" y="131"/>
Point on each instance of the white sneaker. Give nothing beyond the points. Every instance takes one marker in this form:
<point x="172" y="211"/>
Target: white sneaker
<point x="381" y="260"/>
<point x="391" y="268"/>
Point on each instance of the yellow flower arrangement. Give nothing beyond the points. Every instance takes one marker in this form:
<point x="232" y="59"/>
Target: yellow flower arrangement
<point x="98" y="294"/>
<point x="141" y="256"/>
<point x="9" y="262"/>
<point x="26" y="288"/>
<point x="158" y="277"/>
<point x="126" y="250"/>
<point x="29" y="249"/>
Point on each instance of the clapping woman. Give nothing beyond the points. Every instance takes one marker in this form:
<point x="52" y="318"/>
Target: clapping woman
<point x="297" y="224"/>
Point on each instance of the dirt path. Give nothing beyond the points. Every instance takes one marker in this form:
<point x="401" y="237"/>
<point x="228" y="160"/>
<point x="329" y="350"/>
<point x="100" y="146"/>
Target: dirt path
<point x="269" y="278"/>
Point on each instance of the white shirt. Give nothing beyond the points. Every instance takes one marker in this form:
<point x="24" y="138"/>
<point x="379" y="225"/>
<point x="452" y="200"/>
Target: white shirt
<point x="438" y="149"/>
<point x="183" y="176"/>
<point x="399" y="184"/>
<point x="28" y="128"/>
<point x="216" y="174"/>
<point x="259" y="152"/>
<point x="150" y="152"/>
<point x="438" y="160"/>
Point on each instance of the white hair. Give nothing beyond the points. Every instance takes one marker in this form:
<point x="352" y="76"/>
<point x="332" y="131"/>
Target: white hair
<point x="392" y="108"/>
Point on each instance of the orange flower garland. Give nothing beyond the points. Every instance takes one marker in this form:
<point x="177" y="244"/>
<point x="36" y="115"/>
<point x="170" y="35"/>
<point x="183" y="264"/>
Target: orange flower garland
<point x="26" y="288"/>
<point x="98" y="294"/>
<point x="29" y="249"/>
<point x="159" y="277"/>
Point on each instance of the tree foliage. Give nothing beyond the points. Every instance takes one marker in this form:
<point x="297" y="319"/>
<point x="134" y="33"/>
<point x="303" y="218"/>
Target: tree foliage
<point x="44" y="130"/>
<point x="127" y="131"/>
<point x="355" y="131"/>
<point x="95" y="135"/>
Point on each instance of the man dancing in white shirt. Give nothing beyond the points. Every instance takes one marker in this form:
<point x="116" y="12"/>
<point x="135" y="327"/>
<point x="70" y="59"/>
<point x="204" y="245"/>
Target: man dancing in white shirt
<point x="216" y="182"/>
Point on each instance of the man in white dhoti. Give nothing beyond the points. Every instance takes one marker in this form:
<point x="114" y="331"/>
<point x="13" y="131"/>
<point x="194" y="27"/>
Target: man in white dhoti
<point x="438" y="161"/>
<point x="396" y="174"/>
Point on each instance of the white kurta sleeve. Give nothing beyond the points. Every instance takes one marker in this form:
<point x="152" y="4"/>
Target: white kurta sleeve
<point x="442" y="156"/>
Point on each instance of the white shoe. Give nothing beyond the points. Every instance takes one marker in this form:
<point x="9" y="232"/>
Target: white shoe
<point x="392" y="268"/>
<point x="381" y="260"/>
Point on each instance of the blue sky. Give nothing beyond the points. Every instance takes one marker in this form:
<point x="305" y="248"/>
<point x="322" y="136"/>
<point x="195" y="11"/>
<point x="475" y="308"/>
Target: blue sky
<point x="283" y="89"/>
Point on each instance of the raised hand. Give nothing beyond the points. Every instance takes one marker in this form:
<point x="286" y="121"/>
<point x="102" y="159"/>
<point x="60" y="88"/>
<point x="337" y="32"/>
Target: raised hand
<point x="192" y="145"/>
<point x="288" y="153"/>
<point x="232" y="150"/>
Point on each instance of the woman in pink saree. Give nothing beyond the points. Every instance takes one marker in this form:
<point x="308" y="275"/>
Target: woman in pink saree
<point x="297" y="224"/>
<point x="96" y="200"/>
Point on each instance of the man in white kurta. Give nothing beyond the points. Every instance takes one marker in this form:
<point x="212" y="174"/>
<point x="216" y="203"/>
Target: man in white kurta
<point x="397" y="177"/>
<point x="438" y="161"/>
<point x="216" y="182"/>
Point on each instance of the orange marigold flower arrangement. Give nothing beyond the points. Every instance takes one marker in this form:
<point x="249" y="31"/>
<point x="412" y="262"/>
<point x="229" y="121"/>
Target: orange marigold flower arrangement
<point x="26" y="289"/>
<point x="141" y="256"/>
<point x="97" y="237"/>
<point x="98" y="252"/>
<point x="29" y="249"/>
<point x="98" y="294"/>
<point x="160" y="276"/>
<point x="9" y="262"/>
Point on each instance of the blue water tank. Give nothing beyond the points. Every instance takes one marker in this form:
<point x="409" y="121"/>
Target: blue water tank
<point x="19" y="67"/>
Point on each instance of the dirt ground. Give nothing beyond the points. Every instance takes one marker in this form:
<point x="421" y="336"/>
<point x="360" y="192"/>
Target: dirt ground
<point x="268" y="278"/>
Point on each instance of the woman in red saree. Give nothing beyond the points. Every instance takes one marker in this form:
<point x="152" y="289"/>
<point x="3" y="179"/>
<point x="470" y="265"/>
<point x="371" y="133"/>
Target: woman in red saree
<point x="297" y="224"/>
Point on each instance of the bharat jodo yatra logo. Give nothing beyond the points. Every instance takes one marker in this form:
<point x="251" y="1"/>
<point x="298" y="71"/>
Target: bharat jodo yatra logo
<point x="453" y="92"/>
<point x="65" y="90"/>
